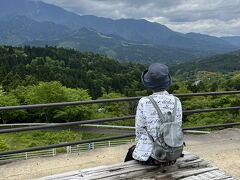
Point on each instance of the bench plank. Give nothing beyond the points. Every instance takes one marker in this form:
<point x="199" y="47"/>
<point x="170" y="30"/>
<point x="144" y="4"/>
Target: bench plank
<point x="189" y="167"/>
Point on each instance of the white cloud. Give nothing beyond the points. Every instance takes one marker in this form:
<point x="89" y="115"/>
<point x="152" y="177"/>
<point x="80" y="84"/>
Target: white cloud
<point x="214" y="17"/>
<point x="208" y="26"/>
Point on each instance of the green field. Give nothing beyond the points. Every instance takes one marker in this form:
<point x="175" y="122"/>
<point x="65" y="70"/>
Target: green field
<point x="22" y="140"/>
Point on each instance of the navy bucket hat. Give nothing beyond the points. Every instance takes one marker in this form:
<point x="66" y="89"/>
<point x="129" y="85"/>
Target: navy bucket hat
<point x="156" y="77"/>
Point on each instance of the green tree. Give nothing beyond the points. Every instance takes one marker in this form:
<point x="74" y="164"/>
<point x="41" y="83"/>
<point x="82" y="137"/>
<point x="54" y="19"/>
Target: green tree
<point x="76" y="113"/>
<point x="11" y="81"/>
<point x="234" y="82"/>
<point x="45" y="92"/>
<point x="9" y="99"/>
<point x="51" y="92"/>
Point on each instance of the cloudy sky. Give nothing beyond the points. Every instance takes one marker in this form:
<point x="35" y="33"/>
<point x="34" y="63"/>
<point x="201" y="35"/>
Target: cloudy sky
<point x="214" y="17"/>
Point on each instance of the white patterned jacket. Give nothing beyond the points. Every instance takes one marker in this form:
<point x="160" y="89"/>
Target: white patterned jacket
<point x="147" y="116"/>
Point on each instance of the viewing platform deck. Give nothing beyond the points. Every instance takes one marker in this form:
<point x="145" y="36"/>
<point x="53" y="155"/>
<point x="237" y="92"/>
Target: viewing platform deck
<point x="190" y="167"/>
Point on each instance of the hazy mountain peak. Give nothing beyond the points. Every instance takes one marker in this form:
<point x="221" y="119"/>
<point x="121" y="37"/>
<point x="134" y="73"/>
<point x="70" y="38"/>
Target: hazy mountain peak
<point x="36" y="10"/>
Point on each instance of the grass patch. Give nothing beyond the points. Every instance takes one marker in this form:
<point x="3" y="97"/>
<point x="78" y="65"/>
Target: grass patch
<point x="23" y="140"/>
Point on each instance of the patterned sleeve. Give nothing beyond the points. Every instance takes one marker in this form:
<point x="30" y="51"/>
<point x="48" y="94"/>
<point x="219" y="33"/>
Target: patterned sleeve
<point x="140" y="120"/>
<point x="179" y="112"/>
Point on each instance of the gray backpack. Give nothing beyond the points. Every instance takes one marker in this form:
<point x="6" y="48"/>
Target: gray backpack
<point x="169" y="143"/>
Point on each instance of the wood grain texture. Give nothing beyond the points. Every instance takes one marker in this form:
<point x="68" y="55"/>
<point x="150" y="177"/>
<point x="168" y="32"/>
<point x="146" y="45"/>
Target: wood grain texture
<point x="189" y="167"/>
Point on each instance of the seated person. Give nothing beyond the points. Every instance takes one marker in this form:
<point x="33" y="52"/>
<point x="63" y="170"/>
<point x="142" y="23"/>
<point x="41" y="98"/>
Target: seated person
<point x="148" y="119"/>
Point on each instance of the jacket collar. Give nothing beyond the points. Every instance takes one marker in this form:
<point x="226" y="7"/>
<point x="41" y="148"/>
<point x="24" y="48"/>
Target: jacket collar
<point x="161" y="93"/>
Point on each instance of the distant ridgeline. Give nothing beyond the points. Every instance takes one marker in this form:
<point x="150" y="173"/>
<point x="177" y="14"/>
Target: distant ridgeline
<point x="36" y="23"/>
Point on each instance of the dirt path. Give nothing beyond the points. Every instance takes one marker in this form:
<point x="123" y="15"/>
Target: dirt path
<point x="221" y="148"/>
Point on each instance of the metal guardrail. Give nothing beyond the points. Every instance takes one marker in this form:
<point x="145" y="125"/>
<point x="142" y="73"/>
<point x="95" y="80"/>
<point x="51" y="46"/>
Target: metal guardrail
<point x="65" y="124"/>
<point x="75" y="103"/>
<point x="103" y="139"/>
<point x="95" y="145"/>
<point x="22" y="124"/>
<point x="64" y="144"/>
<point x="104" y="120"/>
<point x="29" y="155"/>
<point x="49" y="126"/>
<point x="69" y="150"/>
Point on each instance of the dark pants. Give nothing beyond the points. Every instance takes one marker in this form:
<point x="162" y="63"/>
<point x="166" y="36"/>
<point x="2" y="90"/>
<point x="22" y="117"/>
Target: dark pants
<point x="150" y="160"/>
<point x="129" y="154"/>
<point x="129" y="157"/>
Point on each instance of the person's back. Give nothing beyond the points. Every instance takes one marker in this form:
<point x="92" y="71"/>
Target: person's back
<point x="147" y="121"/>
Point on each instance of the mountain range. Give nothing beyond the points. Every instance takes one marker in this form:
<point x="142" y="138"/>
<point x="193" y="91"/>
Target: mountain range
<point x="28" y="22"/>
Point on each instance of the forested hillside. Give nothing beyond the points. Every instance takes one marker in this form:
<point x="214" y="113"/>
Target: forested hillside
<point x="46" y="75"/>
<point x="224" y="63"/>
<point x="99" y="74"/>
<point x="32" y="75"/>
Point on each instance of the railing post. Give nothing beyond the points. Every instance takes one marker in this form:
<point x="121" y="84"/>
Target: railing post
<point x="89" y="146"/>
<point x="109" y="143"/>
<point x="67" y="149"/>
<point x="54" y="151"/>
<point x="26" y="155"/>
<point x="78" y="149"/>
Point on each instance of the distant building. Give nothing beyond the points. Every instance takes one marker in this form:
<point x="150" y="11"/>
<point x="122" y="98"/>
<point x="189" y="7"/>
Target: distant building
<point x="196" y="83"/>
<point x="101" y="109"/>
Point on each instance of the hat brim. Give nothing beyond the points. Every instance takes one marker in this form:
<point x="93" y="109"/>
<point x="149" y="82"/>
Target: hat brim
<point x="155" y="84"/>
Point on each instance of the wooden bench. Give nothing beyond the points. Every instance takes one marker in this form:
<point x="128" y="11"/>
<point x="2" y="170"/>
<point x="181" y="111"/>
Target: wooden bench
<point x="190" y="167"/>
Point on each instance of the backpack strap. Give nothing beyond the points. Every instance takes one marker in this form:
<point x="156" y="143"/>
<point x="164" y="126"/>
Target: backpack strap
<point x="160" y="114"/>
<point x="174" y="109"/>
<point x="151" y="138"/>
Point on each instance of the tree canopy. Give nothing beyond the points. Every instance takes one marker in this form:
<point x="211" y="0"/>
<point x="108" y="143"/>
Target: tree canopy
<point x="31" y="75"/>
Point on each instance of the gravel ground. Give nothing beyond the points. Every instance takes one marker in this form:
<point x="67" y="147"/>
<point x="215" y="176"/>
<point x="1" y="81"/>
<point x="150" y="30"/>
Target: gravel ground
<point x="221" y="148"/>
